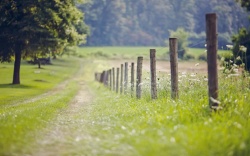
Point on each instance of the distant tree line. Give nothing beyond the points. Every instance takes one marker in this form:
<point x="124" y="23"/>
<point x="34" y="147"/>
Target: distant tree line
<point x="149" y="22"/>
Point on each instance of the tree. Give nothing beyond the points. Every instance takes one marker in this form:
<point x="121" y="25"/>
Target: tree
<point x="241" y="40"/>
<point x="182" y="37"/>
<point x="35" y="25"/>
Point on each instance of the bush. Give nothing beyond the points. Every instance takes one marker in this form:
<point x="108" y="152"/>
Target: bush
<point x="203" y="57"/>
<point x="188" y="57"/>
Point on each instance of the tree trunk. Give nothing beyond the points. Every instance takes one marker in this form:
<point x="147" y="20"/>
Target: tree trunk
<point x="17" y="64"/>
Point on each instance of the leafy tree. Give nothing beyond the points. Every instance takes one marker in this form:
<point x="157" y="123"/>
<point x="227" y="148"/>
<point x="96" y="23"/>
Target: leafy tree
<point x="144" y="22"/>
<point x="241" y="48"/>
<point x="182" y="38"/>
<point x="34" y="26"/>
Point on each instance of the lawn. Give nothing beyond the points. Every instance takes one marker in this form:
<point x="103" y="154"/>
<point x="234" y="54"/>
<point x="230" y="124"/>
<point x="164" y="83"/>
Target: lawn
<point x="34" y="81"/>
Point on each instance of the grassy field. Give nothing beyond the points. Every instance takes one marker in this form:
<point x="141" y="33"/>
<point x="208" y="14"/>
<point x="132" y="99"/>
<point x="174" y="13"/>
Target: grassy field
<point x="115" y="124"/>
<point x="133" y="52"/>
<point x="186" y="126"/>
<point x="34" y="81"/>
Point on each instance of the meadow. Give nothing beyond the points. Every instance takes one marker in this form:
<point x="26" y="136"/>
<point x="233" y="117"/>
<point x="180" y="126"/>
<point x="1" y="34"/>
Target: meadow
<point x="118" y="124"/>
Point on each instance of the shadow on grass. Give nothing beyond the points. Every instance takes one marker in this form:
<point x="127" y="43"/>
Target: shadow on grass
<point x="15" y="86"/>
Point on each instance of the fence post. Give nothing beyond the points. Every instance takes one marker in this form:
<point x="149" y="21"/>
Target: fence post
<point x="113" y="73"/>
<point x="211" y="33"/>
<point x="121" y="83"/>
<point x="106" y="78"/>
<point x="139" y="77"/>
<point x="174" y="67"/>
<point x="153" y="74"/>
<point x="126" y="78"/>
<point x="117" y="80"/>
<point x="110" y="79"/>
<point x="132" y="78"/>
<point x="102" y="77"/>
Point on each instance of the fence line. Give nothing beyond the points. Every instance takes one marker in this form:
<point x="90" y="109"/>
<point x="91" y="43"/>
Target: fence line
<point x="211" y="33"/>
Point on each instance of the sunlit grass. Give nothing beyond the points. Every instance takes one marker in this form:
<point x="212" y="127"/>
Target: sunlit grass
<point x="168" y="127"/>
<point x="34" y="81"/>
<point x="20" y="124"/>
<point x="133" y="52"/>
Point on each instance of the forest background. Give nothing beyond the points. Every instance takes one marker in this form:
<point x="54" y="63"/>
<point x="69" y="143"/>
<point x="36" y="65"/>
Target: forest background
<point x="149" y="22"/>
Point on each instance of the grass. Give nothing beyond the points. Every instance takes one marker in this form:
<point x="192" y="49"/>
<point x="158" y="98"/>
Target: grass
<point x="127" y="126"/>
<point x="20" y="124"/>
<point x="21" y="120"/>
<point x="132" y="52"/>
<point x="117" y="124"/>
<point x="34" y="81"/>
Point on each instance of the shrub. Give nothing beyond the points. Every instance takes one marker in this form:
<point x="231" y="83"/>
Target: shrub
<point x="203" y="57"/>
<point x="188" y="57"/>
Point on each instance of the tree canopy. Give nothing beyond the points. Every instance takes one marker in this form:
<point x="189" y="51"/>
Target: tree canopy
<point x="35" y="25"/>
<point x="241" y="48"/>
<point x="147" y="22"/>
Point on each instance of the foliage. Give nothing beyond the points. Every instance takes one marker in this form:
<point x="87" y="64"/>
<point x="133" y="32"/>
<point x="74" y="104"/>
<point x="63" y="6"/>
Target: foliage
<point x="188" y="57"/>
<point x="241" y="48"/>
<point x="144" y="22"/>
<point x="202" y="57"/>
<point x="182" y="39"/>
<point x="34" y="26"/>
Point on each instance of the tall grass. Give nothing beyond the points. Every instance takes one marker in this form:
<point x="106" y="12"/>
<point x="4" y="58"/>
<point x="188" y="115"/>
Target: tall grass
<point x="127" y="126"/>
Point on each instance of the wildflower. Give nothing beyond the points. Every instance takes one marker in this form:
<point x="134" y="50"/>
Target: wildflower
<point x="172" y="139"/>
<point x="214" y="100"/>
<point x="238" y="58"/>
<point x="229" y="46"/>
<point x="243" y="48"/>
<point x="233" y="75"/>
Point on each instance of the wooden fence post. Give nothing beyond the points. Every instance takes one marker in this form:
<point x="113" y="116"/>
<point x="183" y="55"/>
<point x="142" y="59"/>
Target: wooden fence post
<point x="113" y="73"/>
<point x="132" y="78"/>
<point x="139" y="77"/>
<point x="117" y="80"/>
<point x="110" y="79"/>
<point x="211" y="33"/>
<point x="126" y="78"/>
<point x="174" y="67"/>
<point x="106" y="78"/>
<point x="153" y="74"/>
<point x="102" y="77"/>
<point x="121" y="83"/>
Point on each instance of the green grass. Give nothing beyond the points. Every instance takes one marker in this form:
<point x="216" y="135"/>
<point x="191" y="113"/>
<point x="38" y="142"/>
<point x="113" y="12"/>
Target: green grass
<point x="127" y="126"/>
<point x="120" y="52"/>
<point x="120" y="125"/>
<point x="20" y="124"/>
<point x="34" y="81"/>
<point x="21" y="120"/>
<point x="132" y="52"/>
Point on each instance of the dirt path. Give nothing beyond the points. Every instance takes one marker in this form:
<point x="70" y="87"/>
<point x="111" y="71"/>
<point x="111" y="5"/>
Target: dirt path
<point x="64" y="133"/>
